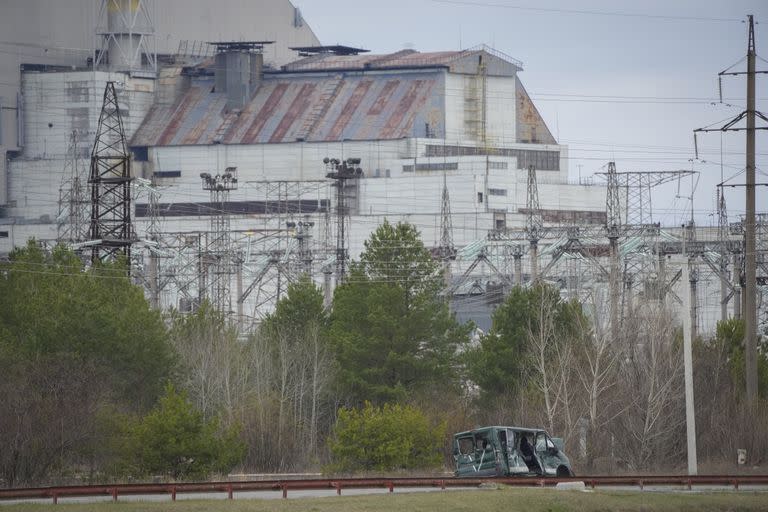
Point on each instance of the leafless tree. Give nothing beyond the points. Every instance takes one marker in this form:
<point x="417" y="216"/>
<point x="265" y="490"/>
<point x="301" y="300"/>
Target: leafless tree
<point x="648" y="431"/>
<point x="596" y="362"/>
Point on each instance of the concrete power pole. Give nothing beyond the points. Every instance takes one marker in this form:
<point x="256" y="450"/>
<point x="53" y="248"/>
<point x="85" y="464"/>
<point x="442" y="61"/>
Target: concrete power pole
<point x="690" y="415"/>
<point x="749" y="256"/>
<point x="750" y="315"/>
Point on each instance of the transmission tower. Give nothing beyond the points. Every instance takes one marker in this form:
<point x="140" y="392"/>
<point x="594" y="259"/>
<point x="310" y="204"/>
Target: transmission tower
<point x="533" y="220"/>
<point x="342" y="171"/>
<point x="72" y="219"/>
<point x="446" y="251"/>
<point x="613" y="230"/>
<point x="153" y="241"/>
<point x="722" y="237"/>
<point x="302" y="232"/>
<point x="218" y="258"/>
<point x="110" y="180"/>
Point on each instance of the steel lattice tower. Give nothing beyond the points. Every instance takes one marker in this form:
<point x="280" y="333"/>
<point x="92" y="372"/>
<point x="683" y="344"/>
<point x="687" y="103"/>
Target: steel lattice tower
<point x="110" y="181"/>
<point x="218" y="257"/>
<point x="613" y="231"/>
<point x="446" y="249"/>
<point x="533" y="220"/>
<point x="341" y="171"/>
<point x="72" y="220"/>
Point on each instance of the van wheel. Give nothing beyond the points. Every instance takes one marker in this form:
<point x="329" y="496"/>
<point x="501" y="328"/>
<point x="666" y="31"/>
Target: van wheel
<point x="564" y="472"/>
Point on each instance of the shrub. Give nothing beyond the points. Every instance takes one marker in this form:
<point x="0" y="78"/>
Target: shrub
<point x="391" y="437"/>
<point x="175" y="440"/>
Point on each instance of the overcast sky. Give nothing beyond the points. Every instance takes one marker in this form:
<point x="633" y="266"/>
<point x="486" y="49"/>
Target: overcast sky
<point x="622" y="81"/>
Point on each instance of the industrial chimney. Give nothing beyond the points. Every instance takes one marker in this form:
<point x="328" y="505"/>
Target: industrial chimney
<point x="126" y="34"/>
<point x="238" y="70"/>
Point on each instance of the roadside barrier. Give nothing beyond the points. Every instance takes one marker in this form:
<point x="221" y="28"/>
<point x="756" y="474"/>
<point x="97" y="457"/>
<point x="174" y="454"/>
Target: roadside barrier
<point x="230" y="488"/>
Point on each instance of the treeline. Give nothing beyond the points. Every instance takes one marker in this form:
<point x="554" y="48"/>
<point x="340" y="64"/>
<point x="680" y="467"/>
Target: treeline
<point x="95" y="386"/>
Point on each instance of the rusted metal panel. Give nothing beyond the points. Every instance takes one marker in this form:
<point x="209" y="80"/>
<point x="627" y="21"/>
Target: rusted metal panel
<point x="314" y="108"/>
<point x="393" y="123"/>
<point x="264" y="114"/>
<point x="298" y="106"/>
<point x="204" y="119"/>
<point x="179" y="115"/>
<point x="530" y="125"/>
<point x="349" y="109"/>
<point x="383" y="99"/>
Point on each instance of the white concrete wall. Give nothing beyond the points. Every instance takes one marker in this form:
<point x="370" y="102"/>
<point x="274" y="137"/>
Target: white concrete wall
<point x="54" y="104"/>
<point x="455" y="129"/>
<point x="500" y="110"/>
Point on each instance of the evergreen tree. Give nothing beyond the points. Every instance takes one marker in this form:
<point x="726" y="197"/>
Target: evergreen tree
<point x="393" y="334"/>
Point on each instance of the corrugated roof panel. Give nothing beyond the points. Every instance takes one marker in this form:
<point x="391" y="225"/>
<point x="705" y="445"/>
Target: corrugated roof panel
<point x="348" y="109"/>
<point x="298" y="106"/>
<point x="312" y="108"/>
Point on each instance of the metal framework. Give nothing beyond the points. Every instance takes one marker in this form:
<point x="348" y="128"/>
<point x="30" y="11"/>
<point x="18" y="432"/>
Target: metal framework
<point x="446" y="251"/>
<point x="217" y="261"/>
<point x="125" y="36"/>
<point x="341" y="171"/>
<point x="110" y="233"/>
<point x="533" y="220"/>
<point x="72" y="219"/>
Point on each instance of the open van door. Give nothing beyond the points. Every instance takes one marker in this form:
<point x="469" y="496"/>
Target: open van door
<point x="515" y="463"/>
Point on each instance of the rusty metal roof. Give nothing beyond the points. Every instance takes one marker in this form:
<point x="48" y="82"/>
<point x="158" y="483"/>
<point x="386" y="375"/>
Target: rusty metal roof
<point x="497" y="63"/>
<point x="316" y="107"/>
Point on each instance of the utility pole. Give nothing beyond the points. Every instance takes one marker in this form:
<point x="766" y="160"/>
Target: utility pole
<point x="690" y="416"/>
<point x="750" y="315"/>
<point x="749" y="255"/>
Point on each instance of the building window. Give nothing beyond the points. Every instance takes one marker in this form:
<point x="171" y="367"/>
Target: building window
<point x="3" y="234"/>
<point x="499" y="221"/>
<point x="433" y="166"/>
<point x="497" y="192"/>
<point x="542" y="160"/>
<point x="498" y="165"/>
<point x="479" y="197"/>
<point x="167" y="174"/>
<point x="140" y="153"/>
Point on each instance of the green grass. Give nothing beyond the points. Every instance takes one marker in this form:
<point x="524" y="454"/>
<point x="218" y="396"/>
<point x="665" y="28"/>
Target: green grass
<point x="486" y="500"/>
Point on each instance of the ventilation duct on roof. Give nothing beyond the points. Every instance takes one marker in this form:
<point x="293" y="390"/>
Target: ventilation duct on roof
<point x="238" y="70"/>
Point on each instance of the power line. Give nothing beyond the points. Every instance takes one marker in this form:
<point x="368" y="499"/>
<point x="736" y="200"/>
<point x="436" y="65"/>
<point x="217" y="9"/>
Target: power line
<point x="586" y="12"/>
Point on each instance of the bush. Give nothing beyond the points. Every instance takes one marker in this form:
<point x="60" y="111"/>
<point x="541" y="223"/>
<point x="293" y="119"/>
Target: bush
<point x="391" y="437"/>
<point x="175" y="440"/>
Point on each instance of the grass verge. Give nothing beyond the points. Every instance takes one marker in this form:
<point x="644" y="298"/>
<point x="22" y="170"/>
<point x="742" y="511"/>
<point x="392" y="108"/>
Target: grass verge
<point x="487" y="500"/>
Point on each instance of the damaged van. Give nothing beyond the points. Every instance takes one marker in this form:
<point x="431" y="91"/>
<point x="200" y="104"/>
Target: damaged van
<point x="509" y="451"/>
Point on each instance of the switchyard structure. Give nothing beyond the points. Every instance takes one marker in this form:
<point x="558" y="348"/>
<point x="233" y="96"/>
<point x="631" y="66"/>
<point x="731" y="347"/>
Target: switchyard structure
<point x="256" y="161"/>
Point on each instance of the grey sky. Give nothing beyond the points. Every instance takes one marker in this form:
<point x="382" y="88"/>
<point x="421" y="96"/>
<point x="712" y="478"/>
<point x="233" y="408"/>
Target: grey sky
<point x="612" y="87"/>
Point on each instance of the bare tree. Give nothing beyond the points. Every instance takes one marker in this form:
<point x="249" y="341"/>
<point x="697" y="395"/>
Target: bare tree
<point x="648" y="431"/>
<point x="596" y="363"/>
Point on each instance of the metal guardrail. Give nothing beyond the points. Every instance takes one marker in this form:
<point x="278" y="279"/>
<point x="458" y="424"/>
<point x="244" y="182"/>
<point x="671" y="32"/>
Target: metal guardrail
<point x="284" y="486"/>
